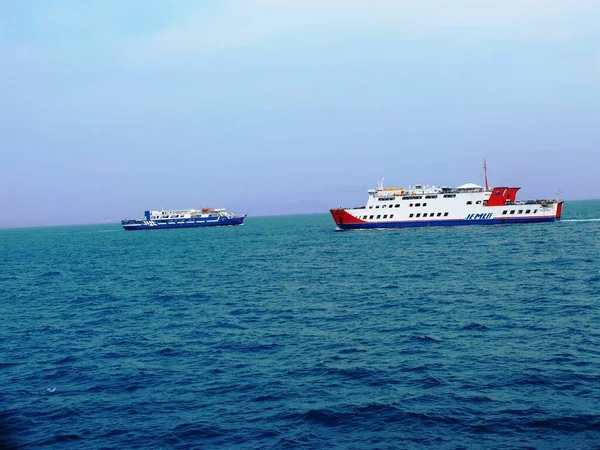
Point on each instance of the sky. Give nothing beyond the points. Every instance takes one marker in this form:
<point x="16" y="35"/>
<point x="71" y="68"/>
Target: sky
<point x="112" y="107"/>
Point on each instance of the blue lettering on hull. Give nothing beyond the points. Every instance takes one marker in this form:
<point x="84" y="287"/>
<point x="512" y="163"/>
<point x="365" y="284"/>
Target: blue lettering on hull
<point x="482" y="216"/>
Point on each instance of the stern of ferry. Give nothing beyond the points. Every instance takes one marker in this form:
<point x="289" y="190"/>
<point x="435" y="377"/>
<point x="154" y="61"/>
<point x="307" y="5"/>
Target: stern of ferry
<point x="559" y="208"/>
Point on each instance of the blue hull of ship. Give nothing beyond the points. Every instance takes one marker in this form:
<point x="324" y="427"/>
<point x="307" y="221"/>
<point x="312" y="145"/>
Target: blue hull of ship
<point x="441" y="223"/>
<point x="189" y="223"/>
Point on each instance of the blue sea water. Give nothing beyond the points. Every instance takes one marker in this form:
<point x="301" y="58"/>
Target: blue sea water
<point x="284" y="333"/>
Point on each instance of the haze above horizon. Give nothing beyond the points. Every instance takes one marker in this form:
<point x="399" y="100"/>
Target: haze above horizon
<point x="289" y="106"/>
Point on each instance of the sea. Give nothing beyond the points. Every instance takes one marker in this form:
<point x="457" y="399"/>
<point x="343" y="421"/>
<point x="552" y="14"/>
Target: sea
<point x="285" y="333"/>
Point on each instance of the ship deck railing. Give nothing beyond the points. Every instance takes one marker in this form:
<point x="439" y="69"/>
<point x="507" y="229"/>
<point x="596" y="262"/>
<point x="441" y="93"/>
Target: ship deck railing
<point x="532" y="202"/>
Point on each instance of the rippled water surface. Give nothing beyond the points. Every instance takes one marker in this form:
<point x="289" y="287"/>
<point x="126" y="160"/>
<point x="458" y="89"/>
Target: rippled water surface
<point x="284" y="333"/>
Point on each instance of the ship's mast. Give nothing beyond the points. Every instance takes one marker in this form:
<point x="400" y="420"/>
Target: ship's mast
<point x="380" y="183"/>
<point x="487" y="188"/>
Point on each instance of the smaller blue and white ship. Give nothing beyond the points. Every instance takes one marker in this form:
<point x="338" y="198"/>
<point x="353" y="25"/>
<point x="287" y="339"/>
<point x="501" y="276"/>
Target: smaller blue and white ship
<point x="184" y="218"/>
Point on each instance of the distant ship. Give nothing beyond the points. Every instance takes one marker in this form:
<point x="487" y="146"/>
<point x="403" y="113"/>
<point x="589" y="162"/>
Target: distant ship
<point x="185" y="218"/>
<point x="426" y="206"/>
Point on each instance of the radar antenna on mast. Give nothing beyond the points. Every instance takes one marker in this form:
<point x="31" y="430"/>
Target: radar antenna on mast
<point x="487" y="188"/>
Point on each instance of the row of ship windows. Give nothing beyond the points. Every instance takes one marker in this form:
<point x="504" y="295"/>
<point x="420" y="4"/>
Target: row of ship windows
<point x="416" y="197"/>
<point x="391" y="216"/>
<point x="398" y="206"/>
<point x="478" y="202"/>
<point x="165" y="217"/>
<point x="188" y="220"/>
<point x="512" y="211"/>
<point x="430" y="215"/>
<point x="383" y="206"/>
<point x="385" y="216"/>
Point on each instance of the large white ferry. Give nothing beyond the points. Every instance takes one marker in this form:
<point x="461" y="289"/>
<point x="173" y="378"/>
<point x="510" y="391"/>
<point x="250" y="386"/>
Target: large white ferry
<point x="425" y="206"/>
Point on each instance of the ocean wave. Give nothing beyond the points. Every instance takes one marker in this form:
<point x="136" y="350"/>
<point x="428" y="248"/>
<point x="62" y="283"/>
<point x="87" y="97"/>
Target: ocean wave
<point x="290" y="335"/>
<point x="379" y="413"/>
<point x="475" y="326"/>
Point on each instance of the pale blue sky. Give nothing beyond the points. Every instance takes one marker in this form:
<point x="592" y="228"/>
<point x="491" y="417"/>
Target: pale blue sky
<point x="289" y="106"/>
